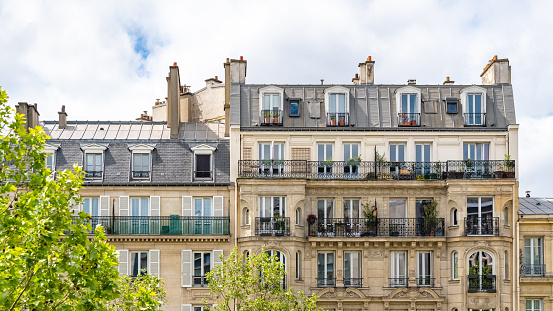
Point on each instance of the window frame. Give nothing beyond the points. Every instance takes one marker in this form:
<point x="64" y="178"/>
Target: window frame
<point x="203" y="149"/>
<point x="202" y="267"/>
<point x="420" y="258"/>
<point x="50" y="151"/>
<point x="455" y="265"/>
<point x="532" y="247"/>
<point x="141" y="149"/>
<point x="271" y="90"/>
<point x="395" y="267"/>
<point x="359" y="267"/>
<point x="335" y="90"/>
<point x="325" y="264"/>
<point x="140" y="260"/>
<point x="471" y="91"/>
<point x="262" y="208"/>
<point x="534" y="300"/>
<point x="408" y="90"/>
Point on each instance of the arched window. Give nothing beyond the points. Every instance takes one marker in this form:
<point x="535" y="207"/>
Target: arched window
<point x="506" y="264"/>
<point x="481" y="272"/>
<point x="298" y="265"/>
<point x="455" y="266"/>
<point x="282" y="258"/>
<point x="298" y="216"/>
<point x="454" y="217"/>
<point x="506" y="216"/>
<point x="246" y="216"/>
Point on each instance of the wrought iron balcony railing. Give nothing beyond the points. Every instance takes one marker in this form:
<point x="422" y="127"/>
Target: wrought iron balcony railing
<point x="398" y="282"/>
<point x="94" y="175"/>
<point x="424" y="281"/>
<point x="353" y="282"/>
<point x="481" y="225"/>
<point x="371" y="170"/>
<point x="381" y="227"/>
<point x="202" y="175"/>
<point x="337" y="119"/>
<point x="326" y="282"/>
<point x="200" y="281"/>
<point x="474" y="119"/>
<point x="409" y="119"/>
<point x="161" y="225"/>
<point x="532" y="270"/>
<point x="140" y="174"/>
<point x="481" y="283"/>
<point x="271" y="117"/>
<point x="272" y="226"/>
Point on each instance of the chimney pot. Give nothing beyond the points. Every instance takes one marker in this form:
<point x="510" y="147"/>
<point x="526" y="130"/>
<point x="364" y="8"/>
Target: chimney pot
<point x="322" y="81"/>
<point x="62" y="118"/>
<point x="175" y="64"/>
<point x="412" y="81"/>
<point x="356" y="76"/>
<point x="447" y="78"/>
<point x="228" y="60"/>
<point x="241" y="57"/>
<point x="369" y="58"/>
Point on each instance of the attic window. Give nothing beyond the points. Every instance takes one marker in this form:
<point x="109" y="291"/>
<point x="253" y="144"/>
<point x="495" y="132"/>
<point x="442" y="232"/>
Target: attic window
<point x="294" y="107"/>
<point x="452" y="104"/>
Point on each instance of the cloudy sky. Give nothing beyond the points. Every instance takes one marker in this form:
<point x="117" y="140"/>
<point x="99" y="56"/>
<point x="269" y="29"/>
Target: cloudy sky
<point x="107" y="60"/>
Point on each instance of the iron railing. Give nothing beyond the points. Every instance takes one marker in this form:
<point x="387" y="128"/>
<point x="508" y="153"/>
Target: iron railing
<point x="424" y="281"/>
<point x="481" y="225"/>
<point x="474" y="119"/>
<point x="326" y="282"/>
<point x="481" y="283"/>
<point x="532" y="270"/>
<point x="93" y="174"/>
<point x="200" y="281"/>
<point x="202" y="175"/>
<point x="372" y="170"/>
<point x="161" y="225"/>
<point x="381" y="227"/>
<point x="353" y="282"/>
<point x="272" y="226"/>
<point x="409" y="119"/>
<point x="337" y="119"/>
<point x="271" y="117"/>
<point x="140" y="174"/>
<point x="398" y="282"/>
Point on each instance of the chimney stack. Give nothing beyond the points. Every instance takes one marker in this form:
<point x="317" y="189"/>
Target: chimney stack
<point x="356" y="79"/>
<point x="173" y="92"/>
<point x="448" y="82"/>
<point x="366" y="71"/>
<point x="235" y="72"/>
<point x="30" y="112"/>
<point x="412" y="82"/>
<point x="63" y="118"/>
<point x="497" y="71"/>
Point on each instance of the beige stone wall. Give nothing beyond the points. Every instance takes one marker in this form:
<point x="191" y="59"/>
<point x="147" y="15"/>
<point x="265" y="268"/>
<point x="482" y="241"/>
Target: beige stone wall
<point x="209" y="102"/>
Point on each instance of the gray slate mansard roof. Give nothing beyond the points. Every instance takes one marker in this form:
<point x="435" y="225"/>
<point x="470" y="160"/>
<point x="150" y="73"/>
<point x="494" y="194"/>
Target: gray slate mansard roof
<point x="172" y="159"/>
<point x="535" y="206"/>
<point x="373" y="107"/>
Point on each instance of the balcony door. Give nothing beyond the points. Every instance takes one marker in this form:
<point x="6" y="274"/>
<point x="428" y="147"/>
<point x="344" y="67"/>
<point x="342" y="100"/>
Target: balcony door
<point x="480" y="220"/>
<point x="351" y="157"/>
<point x="397" y="157"/>
<point x="420" y="228"/>
<point x="398" y="269"/>
<point x="398" y="218"/>
<point x="533" y="256"/>
<point x="203" y="209"/>
<point x="424" y="269"/>
<point x="325" y="270"/>
<point x="481" y="272"/>
<point x="271" y="156"/>
<point x="423" y="158"/>
<point x="324" y="158"/>
<point x="352" y="269"/>
<point x="478" y="154"/>
<point x="140" y="215"/>
<point x="474" y="109"/>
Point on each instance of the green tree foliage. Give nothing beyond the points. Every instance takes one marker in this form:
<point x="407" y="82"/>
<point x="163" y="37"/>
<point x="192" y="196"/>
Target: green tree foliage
<point x="254" y="283"/>
<point x="48" y="260"/>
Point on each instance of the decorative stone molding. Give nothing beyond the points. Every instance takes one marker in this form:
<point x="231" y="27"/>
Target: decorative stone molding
<point x="201" y="239"/>
<point x="488" y="301"/>
<point x="341" y="293"/>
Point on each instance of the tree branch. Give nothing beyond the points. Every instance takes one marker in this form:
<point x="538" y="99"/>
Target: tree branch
<point x="22" y="291"/>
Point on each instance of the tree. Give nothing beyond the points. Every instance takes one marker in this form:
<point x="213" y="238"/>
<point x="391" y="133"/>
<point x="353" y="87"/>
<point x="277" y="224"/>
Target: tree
<point x="48" y="260"/>
<point x="254" y="283"/>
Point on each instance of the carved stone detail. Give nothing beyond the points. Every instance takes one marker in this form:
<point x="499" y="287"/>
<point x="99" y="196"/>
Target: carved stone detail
<point x="482" y="302"/>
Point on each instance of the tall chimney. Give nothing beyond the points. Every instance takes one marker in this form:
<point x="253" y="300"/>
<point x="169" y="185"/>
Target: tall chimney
<point x="448" y="82"/>
<point x="173" y="91"/>
<point x="366" y="71"/>
<point x="63" y="118"/>
<point x="497" y="71"/>
<point x="30" y="112"/>
<point x="235" y="72"/>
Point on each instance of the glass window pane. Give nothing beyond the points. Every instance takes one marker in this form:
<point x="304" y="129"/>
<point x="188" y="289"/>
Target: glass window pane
<point x="134" y="264"/>
<point x="426" y="153"/>
<point x="266" y="102"/>
<point x="393" y="157"/>
<point x="198" y="207"/>
<point x="135" y="207"/>
<point x="143" y="262"/>
<point x="465" y="152"/>
<point x="207" y="263"/>
<point x="413" y="103"/>
<point x="401" y="153"/>
<point x="320" y="265"/>
<point x="203" y="162"/>
<point x="341" y="103"/>
<point x="347" y="154"/>
<point x="86" y="205"/>
<point x="320" y="152"/>
<point x="328" y="151"/>
<point x="94" y="207"/>
<point x="89" y="162"/>
<point x="397" y="209"/>
<point x="276" y="101"/>
<point x="207" y="207"/>
<point x="330" y="209"/>
<point x="418" y="153"/>
<point x="404" y="103"/>
<point x="332" y="103"/>
<point x="487" y="207"/>
<point x="472" y="207"/>
<point x="477" y="103"/>
<point x="321" y="209"/>
<point x="470" y="105"/>
<point x="197" y="264"/>
<point x="354" y="150"/>
<point x="144" y="207"/>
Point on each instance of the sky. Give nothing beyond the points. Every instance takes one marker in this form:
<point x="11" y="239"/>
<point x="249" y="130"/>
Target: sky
<point x="107" y="60"/>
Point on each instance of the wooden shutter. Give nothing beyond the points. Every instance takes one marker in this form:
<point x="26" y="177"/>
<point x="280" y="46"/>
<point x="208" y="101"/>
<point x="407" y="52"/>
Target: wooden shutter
<point x="123" y="259"/>
<point x="154" y="205"/>
<point x="186" y="307"/>
<point x="104" y="205"/>
<point x="124" y="205"/>
<point x="153" y="262"/>
<point x="217" y="206"/>
<point x="216" y="258"/>
<point x="186" y="206"/>
<point x="186" y="268"/>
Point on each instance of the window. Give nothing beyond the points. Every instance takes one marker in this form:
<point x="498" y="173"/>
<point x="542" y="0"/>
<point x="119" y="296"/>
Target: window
<point x="271" y="156"/>
<point x="203" y="162"/>
<point x="451" y="104"/>
<point x="141" y="165"/>
<point x="272" y="213"/>
<point x="324" y="156"/>
<point x="408" y="106"/>
<point x="351" y="209"/>
<point x="480" y="220"/>
<point x="298" y="265"/>
<point x="90" y="206"/>
<point x="353" y="160"/>
<point x="352" y="269"/>
<point x="271" y="105"/>
<point x="506" y="265"/>
<point x="476" y="151"/>
<point x="397" y="152"/>
<point x="325" y="269"/>
<point x="298" y="216"/>
<point x="140" y="223"/>
<point x="337" y="106"/>
<point x="455" y="266"/>
<point x="202" y="265"/>
<point x="93" y="166"/>
<point x="202" y="207"/>
<point x="281" y="258"/>
<point x="454" y="219"/>
<point x="424" y="269"/>
<point x="474" y="105"/>
<point x="533" y="257"/>
<point x="481" y="272"/>
<point x="325" y="210"/>
<point x="50" y="161"/>
<point x="294" y="107"/>
<point x="398" y="269"/>
<point x="534" y="305"/>
<point x="139" y="263"/>
<point x="272" y="206"/>
<point x="246" y="216"/>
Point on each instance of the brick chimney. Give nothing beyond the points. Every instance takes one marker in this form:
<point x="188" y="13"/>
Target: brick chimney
<point x="235" y="72"/>
<point x="173" y="92"/>
<point x="63" y="118"/>
<point x="30" y="112"/>
<point x="366" y="71"/>
<point x="448" y="82"/>
<point x="497" y="71"/>
<point x="355" y="80"/>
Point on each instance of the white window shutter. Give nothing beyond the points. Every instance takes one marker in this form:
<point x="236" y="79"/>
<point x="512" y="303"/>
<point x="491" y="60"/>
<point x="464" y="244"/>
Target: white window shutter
<point x="217" y="206"/>
<point x="155" y="205"/>
<point x="153" y="262"/>
<point x="186" y="307"/>
<point x="217" y="258"/>
<point x="124" y="205"/>
<point x="186" y="206"/>
<point x="75" y="208"/>
<point x="186" y="268"/>
<point x="104" y="205"/>
<point x="123" y="259"/>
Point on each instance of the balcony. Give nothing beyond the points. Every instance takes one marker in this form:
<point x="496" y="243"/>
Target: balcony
<point x="481" y="226"/>
<point x="532" y="270"/>
<point x="353" y="282"/>
<point x="380" y="227"/>
<point x="474" y="119"/>
<point x="202" y="175"/>
<point x="481" y="283"/>
<point x="272" y="226"/>
<point x="200" y="281"/>
<point x="425" y="281"/>
<point x="271" y="117"/>
<point x="92" y="175"/>
<point x="161" y="225"/>
<point x="337" y="119"/>
<point x="398" y="282"/>
<point x="140" y="175"/>
<point x="371" y="170"/>
<point x="408" y="119"/>
<point x="326" y="282"/>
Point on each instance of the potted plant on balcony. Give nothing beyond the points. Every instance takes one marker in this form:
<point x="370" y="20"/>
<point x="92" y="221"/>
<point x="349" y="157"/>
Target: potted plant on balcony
<point x="469" y="168"/>
<point x="430" y="218"/>
<point x="354" y="161"/>
<point x="341" y="121"/>
<point x="499" y="173"/>
<point x="509" y="167"/>
<point x="404" y="119"/>
<point x="371" y="220"/>
<point x="276" y="114"/>
<point x="333" y="120"/>
<point x="280" y="226"/>
<point x="328" y="162"/>
<point x="267" y="117"/>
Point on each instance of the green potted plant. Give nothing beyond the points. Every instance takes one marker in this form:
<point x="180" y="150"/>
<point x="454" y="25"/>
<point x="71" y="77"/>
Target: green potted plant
<point x="333" y="120"/>
<point x="341" y="121"/>
<point x="276" y="114"/>
<point x="328" y="162"/>
<point x="430" y="218"/>
<point x="267" y="117"/>
<point x="509" y="167"/>
<point x="354" y="161"/>
<point x="371" y="220"/>
<point x="280" y="226"/>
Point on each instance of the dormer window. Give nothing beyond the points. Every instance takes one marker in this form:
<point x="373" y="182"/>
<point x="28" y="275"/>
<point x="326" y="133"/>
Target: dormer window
<point x="474" y="106"/>
<point x="271" y="99"/>
<point x="337" y="106"/>
<point x="50" y="151"/>
<point x="93" y="161"/>
<point x="141" y="165"/>
<point x="408" y="100"/>
<point x="203" y="162"/>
